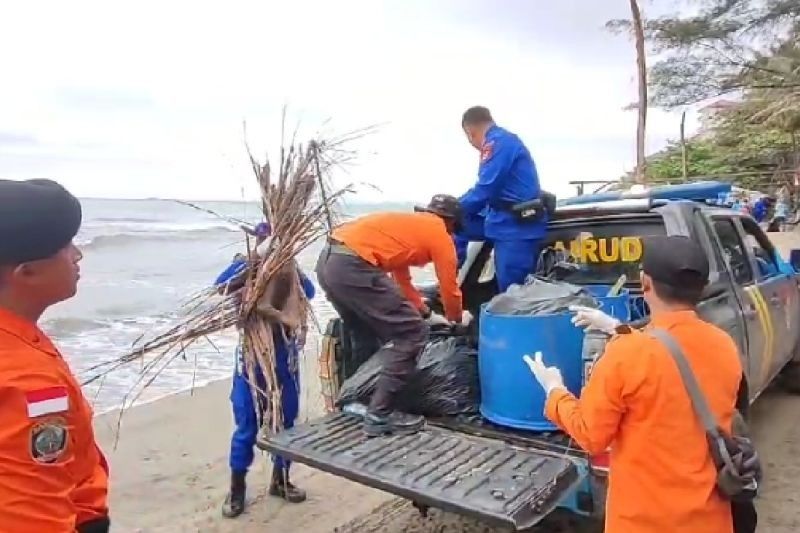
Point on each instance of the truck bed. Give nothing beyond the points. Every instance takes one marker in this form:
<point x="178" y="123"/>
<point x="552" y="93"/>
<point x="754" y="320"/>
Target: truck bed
<point x="501" y="483"/>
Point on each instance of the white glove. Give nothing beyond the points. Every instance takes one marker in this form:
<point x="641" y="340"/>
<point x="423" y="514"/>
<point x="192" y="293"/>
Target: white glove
<point x="466" y="318"/>
<point x="593" y="319"/>
<point x="549" y="377"/>
<point x="437" y="320"/>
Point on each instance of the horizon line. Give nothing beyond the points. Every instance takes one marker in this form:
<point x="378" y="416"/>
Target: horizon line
<point x="237" y="201"/>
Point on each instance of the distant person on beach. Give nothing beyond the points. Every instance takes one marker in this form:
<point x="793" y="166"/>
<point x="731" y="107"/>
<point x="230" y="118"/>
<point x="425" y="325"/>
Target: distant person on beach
<point x="245" y="414"/>
<point x="53" y="476"/>
<point x="352" y="270"/>
<point x="507" y="177"/>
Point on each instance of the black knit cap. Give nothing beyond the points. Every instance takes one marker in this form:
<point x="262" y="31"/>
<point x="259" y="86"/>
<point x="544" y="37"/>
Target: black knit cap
<point x="37" y="219"/>
<point x="675" y="260"/>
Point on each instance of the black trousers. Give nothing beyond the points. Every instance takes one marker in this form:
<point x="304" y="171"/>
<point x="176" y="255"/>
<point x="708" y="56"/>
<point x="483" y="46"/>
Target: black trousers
<point x="372" y="306"/>
<point x="98" y="525"/>
<point x="745" y="517"/>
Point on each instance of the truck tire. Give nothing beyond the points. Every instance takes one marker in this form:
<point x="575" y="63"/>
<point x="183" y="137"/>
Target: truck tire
<point x="790" y="378"/>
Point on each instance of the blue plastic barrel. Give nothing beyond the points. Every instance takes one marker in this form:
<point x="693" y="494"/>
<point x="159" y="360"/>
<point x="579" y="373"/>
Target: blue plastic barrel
<point x="616" y="306"/>
<point x="510" y="395"/>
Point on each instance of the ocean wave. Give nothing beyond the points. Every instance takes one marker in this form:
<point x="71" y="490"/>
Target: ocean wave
<point x="122" y="220"/>
<point x="66" y="326"/>
<point x="128" y="238"/>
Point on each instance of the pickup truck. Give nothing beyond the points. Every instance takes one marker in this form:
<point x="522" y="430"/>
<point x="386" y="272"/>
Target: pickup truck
<point x="513" y="478"/>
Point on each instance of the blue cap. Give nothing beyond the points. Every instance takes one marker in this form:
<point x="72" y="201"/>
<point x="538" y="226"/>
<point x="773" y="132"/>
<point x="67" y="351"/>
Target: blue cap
<point x="262" y="229"/>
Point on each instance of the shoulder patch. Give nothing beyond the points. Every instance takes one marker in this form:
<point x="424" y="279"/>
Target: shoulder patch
<point x="48" y="440"/>
<point x="486" y="151"/>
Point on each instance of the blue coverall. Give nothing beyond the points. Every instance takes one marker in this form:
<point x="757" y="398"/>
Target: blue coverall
<point x="760" y="210"/>
<point x="244" y="411"/>
<point x="506" y="176"/>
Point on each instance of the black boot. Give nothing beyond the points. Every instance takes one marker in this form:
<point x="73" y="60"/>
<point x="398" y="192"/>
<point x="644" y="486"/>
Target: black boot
<point x="281" y="487"/>
<point x="234" y="501"/>
<point x="395" y="423"/>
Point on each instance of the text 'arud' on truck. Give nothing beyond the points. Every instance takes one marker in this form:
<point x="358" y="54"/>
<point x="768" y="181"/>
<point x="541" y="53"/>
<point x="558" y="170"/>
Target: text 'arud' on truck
<point x="515" y="477"/>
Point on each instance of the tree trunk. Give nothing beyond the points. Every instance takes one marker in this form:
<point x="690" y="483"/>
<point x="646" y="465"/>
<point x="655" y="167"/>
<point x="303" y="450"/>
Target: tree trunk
<point x="638" y="32"/>
<point x="684" y="152"/>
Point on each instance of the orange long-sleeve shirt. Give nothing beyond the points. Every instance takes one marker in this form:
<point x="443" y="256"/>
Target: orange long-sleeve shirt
<point x="394" y="242"/>
<point x="661" y="473"/>
<point x="53" y="474"/>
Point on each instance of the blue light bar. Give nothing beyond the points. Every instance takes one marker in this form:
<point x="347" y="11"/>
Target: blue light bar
<point x="700" y="191"/>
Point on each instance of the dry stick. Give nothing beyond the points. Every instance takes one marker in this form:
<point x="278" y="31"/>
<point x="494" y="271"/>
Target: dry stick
<point x="322" y="187"/>
<point x="226" y="218"/>
<point x="299" y="216"/>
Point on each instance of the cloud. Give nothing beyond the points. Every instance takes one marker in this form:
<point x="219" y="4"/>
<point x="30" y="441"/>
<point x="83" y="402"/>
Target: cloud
<point x="99" y="100"/>
<point x="17" y="139"/>
<point x="148" y="99"/>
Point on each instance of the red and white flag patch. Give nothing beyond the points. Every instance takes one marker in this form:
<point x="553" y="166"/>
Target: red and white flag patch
<point x="487" y="151"/>
<point x="47" y="401"/>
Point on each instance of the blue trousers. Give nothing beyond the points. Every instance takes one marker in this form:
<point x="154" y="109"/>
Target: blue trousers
<point x="471" y="231"/>
<point x="514" y="260"/>
<point x="244" y="411"/>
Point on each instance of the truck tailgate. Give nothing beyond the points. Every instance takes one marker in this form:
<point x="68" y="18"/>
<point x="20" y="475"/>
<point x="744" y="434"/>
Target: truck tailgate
<point x="488" y="479"/>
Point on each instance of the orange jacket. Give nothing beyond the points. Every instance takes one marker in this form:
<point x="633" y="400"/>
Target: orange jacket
<point x="394" y="242"/>
<point x="662" y="478"/>
<point x="53" y="474"/>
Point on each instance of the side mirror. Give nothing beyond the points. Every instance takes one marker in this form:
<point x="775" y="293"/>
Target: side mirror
<point x="794" y="259"/>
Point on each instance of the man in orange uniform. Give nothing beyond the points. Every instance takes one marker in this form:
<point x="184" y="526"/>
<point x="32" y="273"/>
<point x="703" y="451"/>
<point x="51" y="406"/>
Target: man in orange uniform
<point x="352" y="271"/>
<point x="662" y="476"/>
<point x="53" y="477"/>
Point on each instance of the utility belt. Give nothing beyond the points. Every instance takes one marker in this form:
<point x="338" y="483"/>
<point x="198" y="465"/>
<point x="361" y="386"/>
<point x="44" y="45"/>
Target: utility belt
<point x="529" y="211"/>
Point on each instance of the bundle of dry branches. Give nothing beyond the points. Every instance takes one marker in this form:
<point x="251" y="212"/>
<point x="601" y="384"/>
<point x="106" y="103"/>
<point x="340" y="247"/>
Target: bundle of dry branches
<point x="299" y="203"/>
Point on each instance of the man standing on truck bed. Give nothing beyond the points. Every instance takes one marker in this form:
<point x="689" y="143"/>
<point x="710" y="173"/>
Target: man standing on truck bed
<point x="507" y="178"/>
<point x="54" y="477"/>
<point x="663" y="477"/>
<point x="352" y="271"/>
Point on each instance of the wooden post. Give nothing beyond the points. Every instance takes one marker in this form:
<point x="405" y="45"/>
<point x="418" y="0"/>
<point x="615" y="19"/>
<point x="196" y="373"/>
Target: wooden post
<point x="638" y="32"/>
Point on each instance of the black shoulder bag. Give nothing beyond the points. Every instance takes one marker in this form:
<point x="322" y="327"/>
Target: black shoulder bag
<point x="735" y="458"/>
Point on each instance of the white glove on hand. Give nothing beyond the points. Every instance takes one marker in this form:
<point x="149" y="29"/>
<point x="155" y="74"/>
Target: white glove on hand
<point x="549" y="377"/>
<point x="466" y="318"/>
<point x="437" y="320"/>
<point x="593" y="319"/>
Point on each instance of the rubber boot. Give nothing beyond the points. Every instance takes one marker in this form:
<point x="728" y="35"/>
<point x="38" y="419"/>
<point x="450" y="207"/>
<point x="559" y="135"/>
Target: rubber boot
<point x="235" y="500"/>
<point x="395" y="423"/>
<point x="281" y="487"/>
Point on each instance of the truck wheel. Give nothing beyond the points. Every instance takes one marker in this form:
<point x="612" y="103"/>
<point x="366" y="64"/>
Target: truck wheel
<point x="790" y="378"/>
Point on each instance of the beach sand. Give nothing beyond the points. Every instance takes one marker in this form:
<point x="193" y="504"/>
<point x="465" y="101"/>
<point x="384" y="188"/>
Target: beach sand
<point x="169" y="473"/>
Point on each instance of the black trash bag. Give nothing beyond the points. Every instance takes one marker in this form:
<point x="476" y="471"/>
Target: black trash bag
<point x="445" y="382"/>
<point x="540" y="297"/>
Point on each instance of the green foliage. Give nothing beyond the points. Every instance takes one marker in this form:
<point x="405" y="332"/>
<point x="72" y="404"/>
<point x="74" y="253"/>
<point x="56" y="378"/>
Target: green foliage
<point x="749" y="49"/>
<point x="724" y="46"/>
<point x="733" y="149"/>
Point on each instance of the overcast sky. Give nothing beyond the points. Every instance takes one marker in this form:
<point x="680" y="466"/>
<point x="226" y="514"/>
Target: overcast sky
<point x="147" y="99"/>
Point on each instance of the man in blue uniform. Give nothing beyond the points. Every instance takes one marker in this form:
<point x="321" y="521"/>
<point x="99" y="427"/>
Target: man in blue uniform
<point x="507" y="177"/>
<point x="244" y="409"/>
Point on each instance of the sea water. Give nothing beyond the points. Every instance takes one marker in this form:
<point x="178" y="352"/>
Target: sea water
<point x="142" y="260"/>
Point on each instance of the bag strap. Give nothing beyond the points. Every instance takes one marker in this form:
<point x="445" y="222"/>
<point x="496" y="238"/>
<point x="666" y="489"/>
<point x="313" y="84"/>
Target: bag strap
<point x="690" y="382"/>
